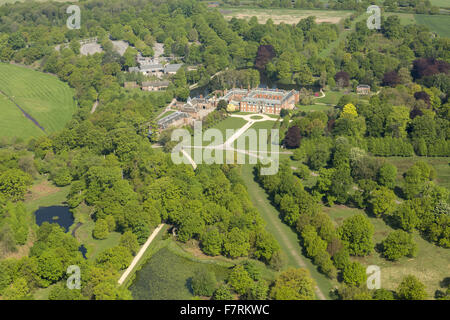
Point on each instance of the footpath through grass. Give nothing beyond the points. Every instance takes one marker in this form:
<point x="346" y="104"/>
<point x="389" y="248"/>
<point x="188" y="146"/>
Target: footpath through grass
<point x="285" y="236"/>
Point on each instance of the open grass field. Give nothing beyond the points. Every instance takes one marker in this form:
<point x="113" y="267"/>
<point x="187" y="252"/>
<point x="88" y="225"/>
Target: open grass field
<point x="13" y="122"/>
<point x="331" y="97"/>
<point x="436" y="23"/>
<point x="441" y="164"/>
<point x="283" y="15"/>
<point x="431" y="265"/>
<point x="45" y="98"/>
<point x="440" y="3"/>
<point x="93" y="246"/>
<point x="313" y="107"/>
<point x="44" y="194"/>
<point x="166" y="275"/>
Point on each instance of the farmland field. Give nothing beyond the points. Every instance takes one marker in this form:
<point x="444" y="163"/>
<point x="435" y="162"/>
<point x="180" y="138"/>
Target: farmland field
<point x="45" y="98"/>
<point x="282" y="15"/>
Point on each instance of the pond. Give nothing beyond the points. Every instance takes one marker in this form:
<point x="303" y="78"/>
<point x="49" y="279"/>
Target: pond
<point x="83" y="250"/>
<point x="55" y="214"/>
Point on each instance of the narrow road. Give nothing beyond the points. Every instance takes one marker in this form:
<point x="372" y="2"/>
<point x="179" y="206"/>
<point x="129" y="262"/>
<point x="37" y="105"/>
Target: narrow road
<point x="140" y="254"/>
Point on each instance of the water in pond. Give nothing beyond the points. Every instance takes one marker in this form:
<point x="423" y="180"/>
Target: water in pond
<point x="55" y="214"/>
<point x="83" y="250"/>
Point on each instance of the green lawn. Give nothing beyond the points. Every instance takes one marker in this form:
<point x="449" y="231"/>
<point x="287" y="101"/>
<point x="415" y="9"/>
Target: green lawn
<point x="285" y="236"/>
<point x="437" y="23"/>
<point x="431" y="265"/>
<point x="229" y="123"/>
<point x="166" y="275"/>
<point x="93" y="246"/>
<point x="16" y="125"/>
<point x="313" y="107"/>
<point x="331" y="97"/>
<point x="44" y="97"/>
<point x="440" y="3"/>
<point x="441" y="164"/>
<point x="51" y="199"/>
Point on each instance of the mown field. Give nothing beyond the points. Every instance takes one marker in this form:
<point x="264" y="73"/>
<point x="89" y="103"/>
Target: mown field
<point x="45" y="98"/>
<point x="431" y="265"/>
<point x="436" y="23"/>
<point x="283" y="15"/>
<point x="13" y="123"/>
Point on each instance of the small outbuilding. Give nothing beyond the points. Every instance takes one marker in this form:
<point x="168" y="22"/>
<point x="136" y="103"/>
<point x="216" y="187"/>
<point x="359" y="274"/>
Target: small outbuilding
<point x="363" y="89"/>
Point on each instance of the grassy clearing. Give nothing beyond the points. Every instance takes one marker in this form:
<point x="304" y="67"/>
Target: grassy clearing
<point x="341" y="37"/>
<point x="405" y="18"/>
<point x="283" y="15"/>
<point x="229" y="123"/>
<point x="441" y="164"/>
<point x="331" y="97"/>
<point x="16" y="125"/>
<point x="431" y="265"/>
<point x="440" y="3"/>
<point x="93" y="246"/>
<point x="166" y="275"/>
<point x="165" y="114"/>
<point x="314" y="107"/>
<point x="436" y="23"/>
<point x="43" y="194"/>
<point x="285" y="236"/>
<point x="44" y="97"/>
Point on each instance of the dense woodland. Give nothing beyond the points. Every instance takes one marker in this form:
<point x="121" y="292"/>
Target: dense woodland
<point x="107" y="160"/>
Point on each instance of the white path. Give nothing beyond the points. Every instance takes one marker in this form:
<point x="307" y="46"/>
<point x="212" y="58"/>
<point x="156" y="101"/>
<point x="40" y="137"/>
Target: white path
<point x="94" y="106"/>
<point x="227" y="145"/>
<point x="188" y="156"/>
<point x="140" y="254"/>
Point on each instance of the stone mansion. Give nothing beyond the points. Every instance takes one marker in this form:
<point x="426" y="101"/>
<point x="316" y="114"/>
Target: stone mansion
<point x="269" y="101"/>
